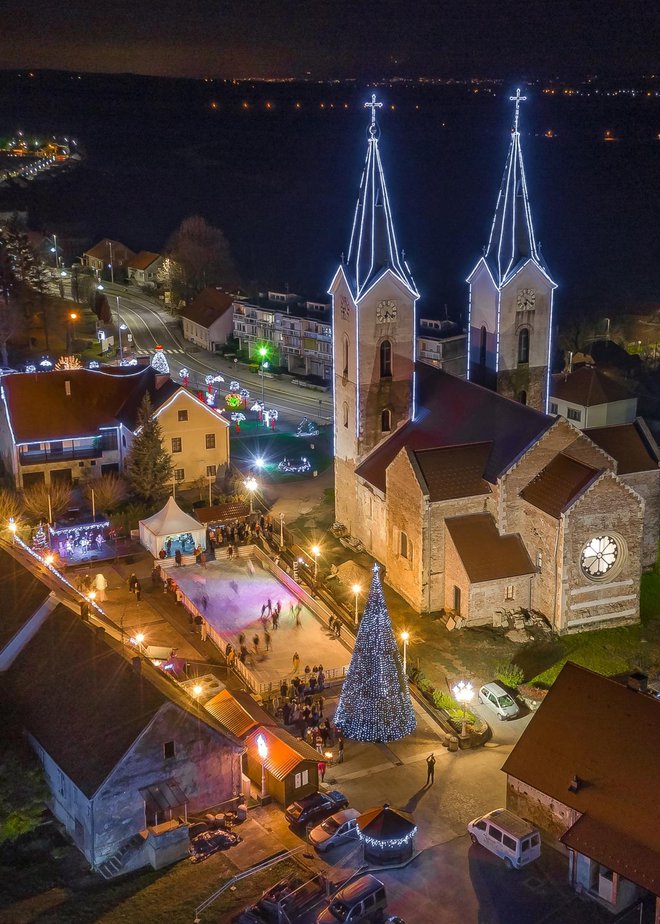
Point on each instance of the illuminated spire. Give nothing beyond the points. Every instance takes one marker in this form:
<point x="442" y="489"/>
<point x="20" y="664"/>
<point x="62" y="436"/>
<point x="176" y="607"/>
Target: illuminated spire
<point x="512" y="234"/>
<point x="373" y="247"/>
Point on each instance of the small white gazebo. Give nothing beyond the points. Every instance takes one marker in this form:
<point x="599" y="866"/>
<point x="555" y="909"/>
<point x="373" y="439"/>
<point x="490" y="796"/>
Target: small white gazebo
<point x="171" y="523"/>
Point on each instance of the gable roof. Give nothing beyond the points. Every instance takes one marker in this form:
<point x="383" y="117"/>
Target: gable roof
<point x="559" y="484"/>
<point x="143" y="260"/>
<point x="208" y="306"/>
<point x="572" y="734"/>
<point x="588" y="386"/>
<point x="39" y="408"/>
<point x="238" y="712"/>
<point x="285" y="752"/>
<point x="170" y="520"/>
<point x="22" y="594"/>
<point x="101" y="251"/>
<point x="631" y="445"/>
<point x="485" y="553"/>
<point x="454" y="471"/>
<point x="455" y="412"/>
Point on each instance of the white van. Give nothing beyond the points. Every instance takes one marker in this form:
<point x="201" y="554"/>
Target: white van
<point x="508" y="836"/>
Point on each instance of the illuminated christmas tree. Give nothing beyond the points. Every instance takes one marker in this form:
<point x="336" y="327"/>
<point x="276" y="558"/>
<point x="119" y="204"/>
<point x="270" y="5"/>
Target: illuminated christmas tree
<point x="159" y="362"/>
<point x="375" y="702"/>
<point x="40" y="539"/>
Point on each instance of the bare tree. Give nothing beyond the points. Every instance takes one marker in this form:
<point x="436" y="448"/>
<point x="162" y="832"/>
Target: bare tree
<point x="10" y="323"/>
<point x="202" y="253"/>
<point x="11" y="506"/>
<point x="36" y="499"/>
<point x="109" y="491"/>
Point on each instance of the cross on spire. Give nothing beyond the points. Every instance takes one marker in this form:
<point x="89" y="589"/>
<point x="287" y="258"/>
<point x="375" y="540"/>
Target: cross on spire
<point x="517" y="99"/>
<point x="373" y="105"/>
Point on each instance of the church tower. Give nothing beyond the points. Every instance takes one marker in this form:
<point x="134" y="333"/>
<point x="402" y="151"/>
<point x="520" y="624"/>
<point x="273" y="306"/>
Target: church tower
<point x="373" y="316"/>
<point x="511" y="294"/>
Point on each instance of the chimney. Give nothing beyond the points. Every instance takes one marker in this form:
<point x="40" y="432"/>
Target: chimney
<point x="576" y="784"/>
<point x="67" y="388"/>
<point x="638" y="682"/>
<point x="570" y="360"/>
<point x="160" y="380"/>
<point x="137" y="664"/>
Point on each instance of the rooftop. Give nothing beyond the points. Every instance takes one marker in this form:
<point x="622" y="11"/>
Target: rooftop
<point x="208" y="306"/>
<point x="22" y="594"/>
<point x="559" y="484"/>
<point x="485" y="553"/>
<point x="588" y="386"/>
<point x="238" y="712"/>
<point x="101" y="251"/>
<point x="454" y="471"/>
<point x="632" y="445"/>
<point x="143" y="260"/>
<point x="285" y="752"/>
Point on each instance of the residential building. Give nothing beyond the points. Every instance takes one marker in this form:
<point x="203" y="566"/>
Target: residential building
<point x="143" y="268"/>
<point x="585" y="771"/>
<point x="591" y="398"/>
<point x="68" y="425"/>
<point x="108" y="253"/>
<point x="443" y="345"/>
<point x="208" y="320"/>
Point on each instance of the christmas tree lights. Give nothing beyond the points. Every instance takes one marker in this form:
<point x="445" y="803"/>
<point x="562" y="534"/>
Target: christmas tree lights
<point x="159" y="362"/>
<point x="375" y="703"/>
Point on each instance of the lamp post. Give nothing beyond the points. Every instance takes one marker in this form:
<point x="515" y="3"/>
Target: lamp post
<point x="12" y="527"/>
<point x="61" y="282"/>
<point x="357" y="589"/>
<point x="316" y="551"/>
<point x="112" y="268"/>
<point x="464" y="694"/>
<point x="607" y="329"/>
<point x="71" y="330"/>
<point x="281" y="530"/>
<point x="263" y="353"/>
<point x="262" y="748"/>
<point x="120" y="328"/>
<point x="405" y="637"/>
<point x="250" y="485"/>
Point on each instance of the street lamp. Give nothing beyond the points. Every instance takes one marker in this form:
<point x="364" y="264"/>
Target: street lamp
<point x="607" y="331"/>
<point x="357" y="590"/>
<point x="464" y="694"/>
<point x="73" y="317"/>
<point x="405" y="636"/>
<point x="197" y="691"/>
<point x="281" y="530"/>
<point x="12" y="526"/>
<point x="262" y="748"/>
<point x="120" y="328"/>
<point x="251" y="486"/>
<point x="316" y="551"/>
<point x="263" y="353"/>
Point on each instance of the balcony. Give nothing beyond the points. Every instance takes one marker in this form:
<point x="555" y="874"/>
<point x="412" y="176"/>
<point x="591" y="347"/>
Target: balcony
<point x="40" y="456"/>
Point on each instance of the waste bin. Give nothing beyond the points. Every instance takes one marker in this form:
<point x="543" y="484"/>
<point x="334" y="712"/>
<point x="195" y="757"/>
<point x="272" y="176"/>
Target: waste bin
<point x="453" y="743"/>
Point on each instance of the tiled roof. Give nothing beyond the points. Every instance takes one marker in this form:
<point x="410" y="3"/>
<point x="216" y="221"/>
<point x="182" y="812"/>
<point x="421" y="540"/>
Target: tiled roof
<point x="559" y="484"/>
<point x="22" y="594"/>
<point x="588" y="386"/>
<point x="101" y="251"/>
<point x="455" y="471"/>
<point x="238" y="712"/>
<point x="143" y="260"/>
<point x="285" y="752"/>
<point x="222" y="513"/>
<point x="453" y="412"/>
<point x="208" y="306"/>
<point x="486" y="555"/>
<point x="609" y="737"/>
<point x="632" y="445"/>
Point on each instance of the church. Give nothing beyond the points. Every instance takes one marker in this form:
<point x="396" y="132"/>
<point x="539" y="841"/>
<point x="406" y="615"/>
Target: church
<point x="472" y="496"/>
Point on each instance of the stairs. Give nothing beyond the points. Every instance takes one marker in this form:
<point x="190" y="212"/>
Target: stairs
<point x="114" y="865"/>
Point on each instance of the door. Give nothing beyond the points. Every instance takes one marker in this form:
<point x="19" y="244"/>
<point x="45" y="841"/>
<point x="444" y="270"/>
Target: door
<point x="457" y="600"/>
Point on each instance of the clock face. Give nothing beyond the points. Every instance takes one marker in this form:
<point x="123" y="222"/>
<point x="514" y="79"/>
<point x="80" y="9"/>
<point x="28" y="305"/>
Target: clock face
<point x="526" y="299"/>
<point x="345" y="308"/>
<point x="386" y="310"/>
<point x="599" y="556"/>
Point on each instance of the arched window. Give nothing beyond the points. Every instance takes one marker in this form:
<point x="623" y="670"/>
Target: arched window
<point x="483" y="337"/>
<point x="523" y="345"/>
<point x="386" y="421"/>
<point x="345" y="411"/>
<point x="386" y="359"/>
<point x="522" y="397"/>
<point x="345" y="348"/>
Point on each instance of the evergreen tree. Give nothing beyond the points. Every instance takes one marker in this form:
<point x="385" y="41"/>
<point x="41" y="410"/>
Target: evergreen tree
<point x="375" y="703"/>
<point x="149" y="467"/>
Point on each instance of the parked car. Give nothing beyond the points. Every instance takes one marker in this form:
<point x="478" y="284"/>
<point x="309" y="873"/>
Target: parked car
<point x="287" y="900"/>
<point x="335" y="830"/>
<point x="315" y="807"/>
<point x="506" y="835"/>
<point x="362" y="900"/>
<point x="495" y="696"/>
<point x="209" y="842"/>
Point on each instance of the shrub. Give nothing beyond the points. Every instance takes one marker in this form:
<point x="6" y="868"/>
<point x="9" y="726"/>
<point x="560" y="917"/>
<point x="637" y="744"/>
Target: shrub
<point x="510" y="674"/>
<point x="424" y="685"/>
<point x="442" y="700"/>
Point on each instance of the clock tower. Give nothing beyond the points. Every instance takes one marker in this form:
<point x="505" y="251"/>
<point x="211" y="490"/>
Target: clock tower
<point x="373" y="305"/>
<point x="511" y="295"/>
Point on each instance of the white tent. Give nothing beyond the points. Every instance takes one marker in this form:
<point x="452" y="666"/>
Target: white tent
<point x="170" y="522"/>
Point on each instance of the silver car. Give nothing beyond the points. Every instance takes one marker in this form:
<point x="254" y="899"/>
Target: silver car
<point x="335" y="830"/>
<point x="495" y="696"/>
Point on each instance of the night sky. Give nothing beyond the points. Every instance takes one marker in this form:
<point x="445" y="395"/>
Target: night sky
<point x="345" y="38"/>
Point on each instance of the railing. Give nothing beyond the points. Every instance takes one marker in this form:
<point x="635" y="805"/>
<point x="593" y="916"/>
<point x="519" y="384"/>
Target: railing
<point x="39" y="456"/>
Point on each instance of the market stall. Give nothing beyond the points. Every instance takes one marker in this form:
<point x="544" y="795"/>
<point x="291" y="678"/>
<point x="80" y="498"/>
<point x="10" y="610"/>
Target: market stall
<point x="171" y="530"/>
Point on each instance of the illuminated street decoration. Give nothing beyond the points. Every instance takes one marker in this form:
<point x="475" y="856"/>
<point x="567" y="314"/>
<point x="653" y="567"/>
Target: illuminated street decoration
<point x="159" y="361"/>
<point x="295" y="466"/>
<point x="375" y="703"/>
<point x="232" y="400"/>
<point x="68" y="362"/>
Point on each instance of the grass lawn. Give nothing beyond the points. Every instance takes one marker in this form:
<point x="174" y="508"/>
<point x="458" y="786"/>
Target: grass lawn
<point x="256" y="442"/>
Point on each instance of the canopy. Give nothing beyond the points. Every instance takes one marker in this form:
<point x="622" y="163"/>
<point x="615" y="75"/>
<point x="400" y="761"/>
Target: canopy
<point x="170" y="521"/>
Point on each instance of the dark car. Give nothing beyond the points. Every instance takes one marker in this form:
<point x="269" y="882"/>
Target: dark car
<point x="209" y="842"/>
<point x="315" y="807"/>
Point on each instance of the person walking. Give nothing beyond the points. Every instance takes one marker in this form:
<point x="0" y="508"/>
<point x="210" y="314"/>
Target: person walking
<point x="177" y="558"/>
<point x="132" y="581"/>
<point x="322" y="767"/>
<point x="430" y="769"/>
<point x="338" y="628"/>
<point x="296" y="662"/>
<point x="137" y="590"/>
<point x="255" y="642"/>
<point x="267" y="640"/>
<point x="100" y="585"/>
<point x="340" y="749"/>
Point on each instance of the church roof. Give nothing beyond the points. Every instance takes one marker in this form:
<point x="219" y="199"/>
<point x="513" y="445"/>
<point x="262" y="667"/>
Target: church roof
<point x="559" y="484"/>
<point x="511" y="241"/>
<point x="454" y="471"/>
<point x="485" y="553"/>
<point x="373" y="247"/>
<point x="632" y="445"/>
<point x="454" y="412"/>
<point x="588" y="386"/>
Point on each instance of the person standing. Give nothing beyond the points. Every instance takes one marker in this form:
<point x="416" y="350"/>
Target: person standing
<point x="255" y="642"/>
<point x="267" y="640"/>
<point x="430" y="769"/>
<point x="322" y="768"/>
<point x="137" y="590"/>
<point x="131" y="582"/>
<point x="100" y="584"/>
<point x="296" y="662"/>
<point x="177" y="558"/>
<point x="340" y="749"/>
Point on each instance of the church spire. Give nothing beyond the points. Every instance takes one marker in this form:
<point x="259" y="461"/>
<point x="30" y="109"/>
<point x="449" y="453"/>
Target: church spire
<point x="373" y="247"/>
<point x="512" y="234"/>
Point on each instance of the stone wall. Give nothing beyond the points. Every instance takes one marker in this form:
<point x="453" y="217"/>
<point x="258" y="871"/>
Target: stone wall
<point x="406" y="512"/>
<point x="489" y="597"/>
<point x="647" y="485"/>
<point x="552" y="817"/>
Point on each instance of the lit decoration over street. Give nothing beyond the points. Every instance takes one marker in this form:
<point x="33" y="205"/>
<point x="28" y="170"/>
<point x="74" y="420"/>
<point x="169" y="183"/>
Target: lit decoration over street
<point x="159" y="361"/>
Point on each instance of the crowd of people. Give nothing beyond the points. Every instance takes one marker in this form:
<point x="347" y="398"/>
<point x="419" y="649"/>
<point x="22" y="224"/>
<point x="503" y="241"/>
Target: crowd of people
<point x="302" y="707"/>
<point x="245" y="530"/>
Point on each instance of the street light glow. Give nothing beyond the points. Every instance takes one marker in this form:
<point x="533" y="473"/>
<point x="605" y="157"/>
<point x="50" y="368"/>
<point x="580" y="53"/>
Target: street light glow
<point x="316" y="550"/>
<point x="262" y="747"/>
<point x="197" y="690"/>
<point x="139" y="638"/>
<point x="405" y="636"/>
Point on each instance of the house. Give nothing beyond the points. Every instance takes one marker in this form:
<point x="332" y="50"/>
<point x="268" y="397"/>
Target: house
<point x="589" y="397"/>
<point x="585" y="771"/>
<point x="66" y="425"/>
<point x="443" y="345"/>
<point x="143" y="268"/>
<point x="107" y="254"/>
<point x="207" y="321"/>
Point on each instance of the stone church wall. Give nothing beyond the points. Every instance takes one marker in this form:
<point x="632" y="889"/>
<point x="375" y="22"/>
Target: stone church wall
<point x="370" y="521"/>
<point x="647" y="485"/>
<point x="406" y="508"/>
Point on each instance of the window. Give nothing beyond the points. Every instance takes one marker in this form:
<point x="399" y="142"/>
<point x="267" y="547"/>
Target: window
<point x="404" y="545"/>
<point x="211" y="471"/>
<point x="210" y="440"/>
<point x="386" y="359"/>
<point x="179" y="474"/>
<point x="523" y="345"/>
<point x="509" y="592"/>
<point x="176" y="444"/>
<point x="539" y="560"/>
<point x="345" y="348"/>
<point x="301" y="779"/>
<point x="483" y="340"/>
<point x="168" y="750"/>
<point x="345" y="413"/>
<point x="457" y="600"/>
<point x="494" y="833"/>
<point x="386" y="421"/>
<point x="109" y="440"/>
<point x="522" y="397"/>
<point x="572" y="414"/>
<point x="553" y="407"/>
<point x="182" y="415"/>
<point x="480" y="826"/>
<point x="509" y="842"/>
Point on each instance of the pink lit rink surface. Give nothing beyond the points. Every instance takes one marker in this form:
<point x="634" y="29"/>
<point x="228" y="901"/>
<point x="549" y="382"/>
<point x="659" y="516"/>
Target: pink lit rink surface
<point x="235" y="597"/>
